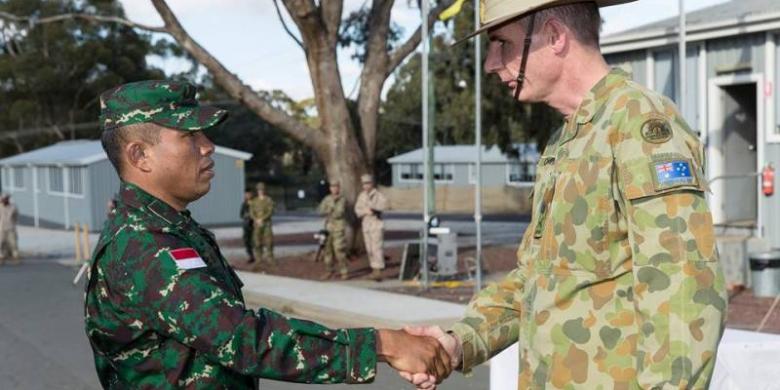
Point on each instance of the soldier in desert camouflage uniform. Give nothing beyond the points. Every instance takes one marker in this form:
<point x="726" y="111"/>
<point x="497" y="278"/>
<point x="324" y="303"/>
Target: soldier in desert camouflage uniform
<point x="617" y="284"/>
<point x="369" y="206"/>
<point x="163" y="308"/>
<point x="334" y="208"/>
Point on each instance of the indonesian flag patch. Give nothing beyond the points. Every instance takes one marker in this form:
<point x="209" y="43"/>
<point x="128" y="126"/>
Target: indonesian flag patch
<point x="186" y="258"/>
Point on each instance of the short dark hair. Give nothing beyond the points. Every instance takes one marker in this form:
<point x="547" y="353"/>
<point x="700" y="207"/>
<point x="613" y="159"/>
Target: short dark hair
<point x="114" y="140"/>
<point x="584" y="20"/>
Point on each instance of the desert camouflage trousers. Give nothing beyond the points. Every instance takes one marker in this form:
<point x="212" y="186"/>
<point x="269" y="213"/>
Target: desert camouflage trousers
<point x="373" y="235"/>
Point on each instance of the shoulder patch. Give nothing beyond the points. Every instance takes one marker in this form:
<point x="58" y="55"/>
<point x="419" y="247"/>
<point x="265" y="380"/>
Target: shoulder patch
<point x="186" y="258"/>
<point x="672" y="172"/>
<point x="656" y="131"/>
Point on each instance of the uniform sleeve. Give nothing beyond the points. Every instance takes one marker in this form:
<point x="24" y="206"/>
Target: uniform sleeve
<point x="678" y="289"/>
<point x="380" y="202"/>
<point x="324" y="208"/>
<point x="267" y="210"/>
<point x="490" y="324"/>
<point x="254" y="209"/>
<point x="338" y="210"/>
<point x="361" y="208"/>
<point x="193" y="308"/>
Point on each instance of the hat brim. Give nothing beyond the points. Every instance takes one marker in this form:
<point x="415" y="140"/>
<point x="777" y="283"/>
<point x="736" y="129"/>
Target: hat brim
<point x="499" y="21"/>
<point x="191" y="118"/>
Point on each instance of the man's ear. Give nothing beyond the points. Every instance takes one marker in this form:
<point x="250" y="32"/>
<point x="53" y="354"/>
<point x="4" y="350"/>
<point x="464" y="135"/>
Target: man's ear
<point x="556" y="36"/>
<point x="137" y="156"/>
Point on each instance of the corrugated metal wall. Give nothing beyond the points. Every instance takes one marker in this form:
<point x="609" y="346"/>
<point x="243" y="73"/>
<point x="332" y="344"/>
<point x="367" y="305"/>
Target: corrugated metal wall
<point x="728" y="53"/>
<point x="634" y="62"/>
<point x="104" y="184"/>
<point x="772" y="155"/>
<point x="493" y="175"/>
<point x="53" y="208"/>
<point x="221" y="205"/>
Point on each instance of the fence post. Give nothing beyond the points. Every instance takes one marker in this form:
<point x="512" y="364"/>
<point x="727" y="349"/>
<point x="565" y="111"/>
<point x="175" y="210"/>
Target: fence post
<point x="87" y="249"/>
<point x="77" y="241"/>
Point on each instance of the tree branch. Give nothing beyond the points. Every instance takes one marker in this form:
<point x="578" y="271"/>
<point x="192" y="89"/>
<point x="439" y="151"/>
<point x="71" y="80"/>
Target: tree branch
<point x="399" y="54"/>
<point x="287" y="29"/>
<point x="331" y="17"/>
<point x="32" y="21"/>
<point x="234" y="86"/>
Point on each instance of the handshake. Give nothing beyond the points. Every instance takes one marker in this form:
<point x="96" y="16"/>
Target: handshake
<point x="423" y="356"/>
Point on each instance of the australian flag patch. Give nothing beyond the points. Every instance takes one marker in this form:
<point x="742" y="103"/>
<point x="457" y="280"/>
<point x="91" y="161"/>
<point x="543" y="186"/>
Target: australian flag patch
<point x="673" y="173"/>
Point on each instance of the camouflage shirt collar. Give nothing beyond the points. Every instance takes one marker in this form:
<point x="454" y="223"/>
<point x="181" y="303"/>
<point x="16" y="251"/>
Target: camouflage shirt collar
<point x="135" y="197"/>
<point x="594" y="100"/>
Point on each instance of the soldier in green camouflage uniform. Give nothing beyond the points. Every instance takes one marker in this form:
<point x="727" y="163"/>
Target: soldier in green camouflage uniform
<point x="333" y="207"/>
<point x="163" y="309"/>
<point x="617" y="284"/>
<point x="261" y="208"/>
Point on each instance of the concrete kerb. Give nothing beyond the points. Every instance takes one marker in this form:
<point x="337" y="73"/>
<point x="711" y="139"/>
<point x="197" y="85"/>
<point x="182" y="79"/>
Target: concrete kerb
<point x="338" y="305"/>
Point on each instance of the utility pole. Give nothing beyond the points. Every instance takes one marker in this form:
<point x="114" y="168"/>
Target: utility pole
<point x="478" y="146"/>
<point x="426" y="128"/>
<point x="682" y="60"/>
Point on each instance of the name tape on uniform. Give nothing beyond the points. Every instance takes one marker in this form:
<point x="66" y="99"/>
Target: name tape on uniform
<point x="186" y="258"/>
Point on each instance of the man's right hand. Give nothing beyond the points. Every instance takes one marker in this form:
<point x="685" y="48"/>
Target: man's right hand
<point x="449" y="342"/>
<point x="414" y="354"/>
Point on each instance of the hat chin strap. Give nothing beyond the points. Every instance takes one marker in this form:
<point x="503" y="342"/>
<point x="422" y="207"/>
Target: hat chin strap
<point x="526" y="47"/>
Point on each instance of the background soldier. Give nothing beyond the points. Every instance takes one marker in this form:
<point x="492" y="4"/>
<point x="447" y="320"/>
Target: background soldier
<point x="333" y="207"/>
<point x="261" y="208"/>
<point x="8" y="237"/>
<point x="247" y="224"/>
<point x="618" y="283"/>
<point x="369" y="207"/>
<point x="164" y="310"/>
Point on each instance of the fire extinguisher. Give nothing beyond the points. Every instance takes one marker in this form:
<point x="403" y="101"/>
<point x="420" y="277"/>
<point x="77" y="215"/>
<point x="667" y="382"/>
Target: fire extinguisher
<point x="768" y="180"/>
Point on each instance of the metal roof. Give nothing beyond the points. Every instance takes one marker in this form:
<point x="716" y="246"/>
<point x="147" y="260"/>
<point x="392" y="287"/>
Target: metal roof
<point x="449" y="154"/>
<point x="735" y="17"/>
<point x="83" y="152"/>
<point x="735" y="9"/>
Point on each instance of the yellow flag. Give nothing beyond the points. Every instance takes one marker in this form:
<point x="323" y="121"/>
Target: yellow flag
<point x="453" y="10"/>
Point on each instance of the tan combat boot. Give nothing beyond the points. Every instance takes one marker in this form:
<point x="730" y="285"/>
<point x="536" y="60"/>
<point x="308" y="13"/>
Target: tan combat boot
<point x="376" y="275"/>
<point x="327" y="275"/>
<point x="344" y="274"/>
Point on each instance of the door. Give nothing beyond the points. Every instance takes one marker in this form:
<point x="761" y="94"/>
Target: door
<point x="739" y="147"/>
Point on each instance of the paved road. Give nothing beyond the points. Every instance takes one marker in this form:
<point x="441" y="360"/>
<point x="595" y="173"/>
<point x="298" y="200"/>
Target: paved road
<point x="43" y="344"/>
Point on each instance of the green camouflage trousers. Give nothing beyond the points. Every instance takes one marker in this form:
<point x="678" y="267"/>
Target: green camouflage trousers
<point x="336" y="246"/>
<point x="263" y="243"/>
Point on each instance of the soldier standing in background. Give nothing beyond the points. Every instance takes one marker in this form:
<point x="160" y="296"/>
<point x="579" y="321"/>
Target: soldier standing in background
<point x="617" y="284"/>
<point x="247" y="224"/>
<point x="333" y="207"/>
<point x="9" y="245"/>
<point x="369" y="207"/>
<point x="261" y="208"/>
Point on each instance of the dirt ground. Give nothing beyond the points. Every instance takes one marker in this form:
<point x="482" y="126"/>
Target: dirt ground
<point x="745" y="310"/>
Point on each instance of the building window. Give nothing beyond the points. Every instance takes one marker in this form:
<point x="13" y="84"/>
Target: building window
<point x="18" y="174"/>
<point x="5" y="177"/>
<point x="443" y="172"/>
<point x="76" y="181"/>
<point x="56" y="182"/>
<point x="410" y="172"/>
<point x="414" y="172"/>
<point x="521" y="172"/>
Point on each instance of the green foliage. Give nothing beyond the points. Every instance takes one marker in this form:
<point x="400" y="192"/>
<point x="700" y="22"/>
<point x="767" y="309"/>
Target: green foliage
<point x="355" y="30"/>
<point x="504" y="120"/>
<point x="52" y="74"/>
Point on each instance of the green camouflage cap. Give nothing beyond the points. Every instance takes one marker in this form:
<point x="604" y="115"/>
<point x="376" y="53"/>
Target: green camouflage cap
<point x="171" y="104"/>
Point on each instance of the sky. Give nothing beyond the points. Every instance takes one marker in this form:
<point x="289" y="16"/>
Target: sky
<point x="248" y="38"/>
